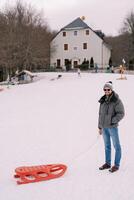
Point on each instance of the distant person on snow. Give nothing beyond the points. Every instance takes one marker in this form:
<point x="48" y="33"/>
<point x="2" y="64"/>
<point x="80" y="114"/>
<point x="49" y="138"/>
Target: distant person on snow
<point x="96" y="68"/>
<point x="79" y="72"/>
<point x="112" y="69"/>
<point x="111" y="111"/>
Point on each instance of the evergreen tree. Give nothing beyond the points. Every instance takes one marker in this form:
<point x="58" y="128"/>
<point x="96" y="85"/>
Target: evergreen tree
<point x="91" y="63"/>
<point x="110" y="62"/>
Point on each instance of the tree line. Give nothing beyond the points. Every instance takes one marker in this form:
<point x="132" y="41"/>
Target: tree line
<point x="123" y="44"/>
<point x="24" y="39"/>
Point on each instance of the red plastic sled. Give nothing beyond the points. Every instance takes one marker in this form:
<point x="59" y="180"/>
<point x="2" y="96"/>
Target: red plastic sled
<point x="39" y="173"/>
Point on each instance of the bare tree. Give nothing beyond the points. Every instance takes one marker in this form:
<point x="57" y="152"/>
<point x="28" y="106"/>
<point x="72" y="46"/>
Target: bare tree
<point x="24" y="38"/>
<point x="128" y="28"/>
<point x="121" y="48"/>
<point x="129" y="23"/>
<point x="123" y="44"/>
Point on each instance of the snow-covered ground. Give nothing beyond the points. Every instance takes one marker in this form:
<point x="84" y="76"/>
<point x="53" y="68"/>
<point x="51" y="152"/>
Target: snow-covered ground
<point x="55" y="121"/>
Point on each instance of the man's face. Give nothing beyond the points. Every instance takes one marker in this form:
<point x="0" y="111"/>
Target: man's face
<point x="107" y="91"/>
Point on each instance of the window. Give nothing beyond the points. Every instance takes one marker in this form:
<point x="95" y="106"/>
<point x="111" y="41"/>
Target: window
<point x="84" y="45"/>
<point x="64" y="34"/>
<point x="87" y="32"/>
<point x="65" y="47"/>
<point x="75" y="32"/>
<point x="58" y="63"/>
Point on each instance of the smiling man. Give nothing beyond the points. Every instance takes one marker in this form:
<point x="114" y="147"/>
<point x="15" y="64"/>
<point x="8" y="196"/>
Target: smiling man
<point x="110" y="113"/>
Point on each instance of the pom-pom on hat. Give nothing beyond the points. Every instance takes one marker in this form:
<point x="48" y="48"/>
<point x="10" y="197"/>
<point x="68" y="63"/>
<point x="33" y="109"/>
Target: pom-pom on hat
<point x="108" y="85"/>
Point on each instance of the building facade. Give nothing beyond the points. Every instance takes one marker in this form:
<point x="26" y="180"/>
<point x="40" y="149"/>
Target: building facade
<point x="76" y="43"/>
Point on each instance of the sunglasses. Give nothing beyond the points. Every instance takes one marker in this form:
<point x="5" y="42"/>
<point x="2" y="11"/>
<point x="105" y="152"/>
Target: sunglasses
<point x="107" y="90"/>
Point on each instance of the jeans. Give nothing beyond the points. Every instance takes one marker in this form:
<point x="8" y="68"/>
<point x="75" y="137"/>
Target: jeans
<point x="108" y="134"/>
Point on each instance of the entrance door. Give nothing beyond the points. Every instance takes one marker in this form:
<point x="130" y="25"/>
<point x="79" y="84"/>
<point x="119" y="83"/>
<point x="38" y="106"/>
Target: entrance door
<point x="58" y="63"/>
<point x="75" y="64"/>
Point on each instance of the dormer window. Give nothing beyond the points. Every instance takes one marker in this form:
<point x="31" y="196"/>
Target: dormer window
<point x="75" y="32"/>
<point x="64" y="34"/>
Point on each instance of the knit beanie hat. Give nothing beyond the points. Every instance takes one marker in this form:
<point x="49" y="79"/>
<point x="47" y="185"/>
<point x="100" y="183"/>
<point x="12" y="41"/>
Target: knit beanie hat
<point x="108" y="85"/>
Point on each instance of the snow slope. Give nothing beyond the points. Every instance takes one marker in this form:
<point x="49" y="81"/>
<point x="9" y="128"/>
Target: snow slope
<point x="55" y="121"/>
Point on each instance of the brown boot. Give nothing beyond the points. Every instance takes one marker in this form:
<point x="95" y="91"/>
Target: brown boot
<point x="114" y="169"/>
<point x="105" y="166"/>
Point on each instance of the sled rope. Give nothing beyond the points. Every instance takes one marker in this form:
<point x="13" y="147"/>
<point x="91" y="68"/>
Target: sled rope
<point x="78" y="156"/>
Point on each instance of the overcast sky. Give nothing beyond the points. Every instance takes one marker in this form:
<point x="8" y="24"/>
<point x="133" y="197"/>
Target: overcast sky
<point x="99" y="14"/>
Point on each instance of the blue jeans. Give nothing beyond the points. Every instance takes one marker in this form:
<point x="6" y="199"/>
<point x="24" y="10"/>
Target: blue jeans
<point x="108" y="134"/>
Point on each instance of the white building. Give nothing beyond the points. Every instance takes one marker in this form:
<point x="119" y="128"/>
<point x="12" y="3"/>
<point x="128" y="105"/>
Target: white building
<point x="77" y="42"/>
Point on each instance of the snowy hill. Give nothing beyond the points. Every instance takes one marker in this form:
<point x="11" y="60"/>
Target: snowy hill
<point x="55" y="121"/>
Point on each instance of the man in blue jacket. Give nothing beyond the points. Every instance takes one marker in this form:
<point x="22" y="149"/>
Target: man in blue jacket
<point x="110" y="113"/>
